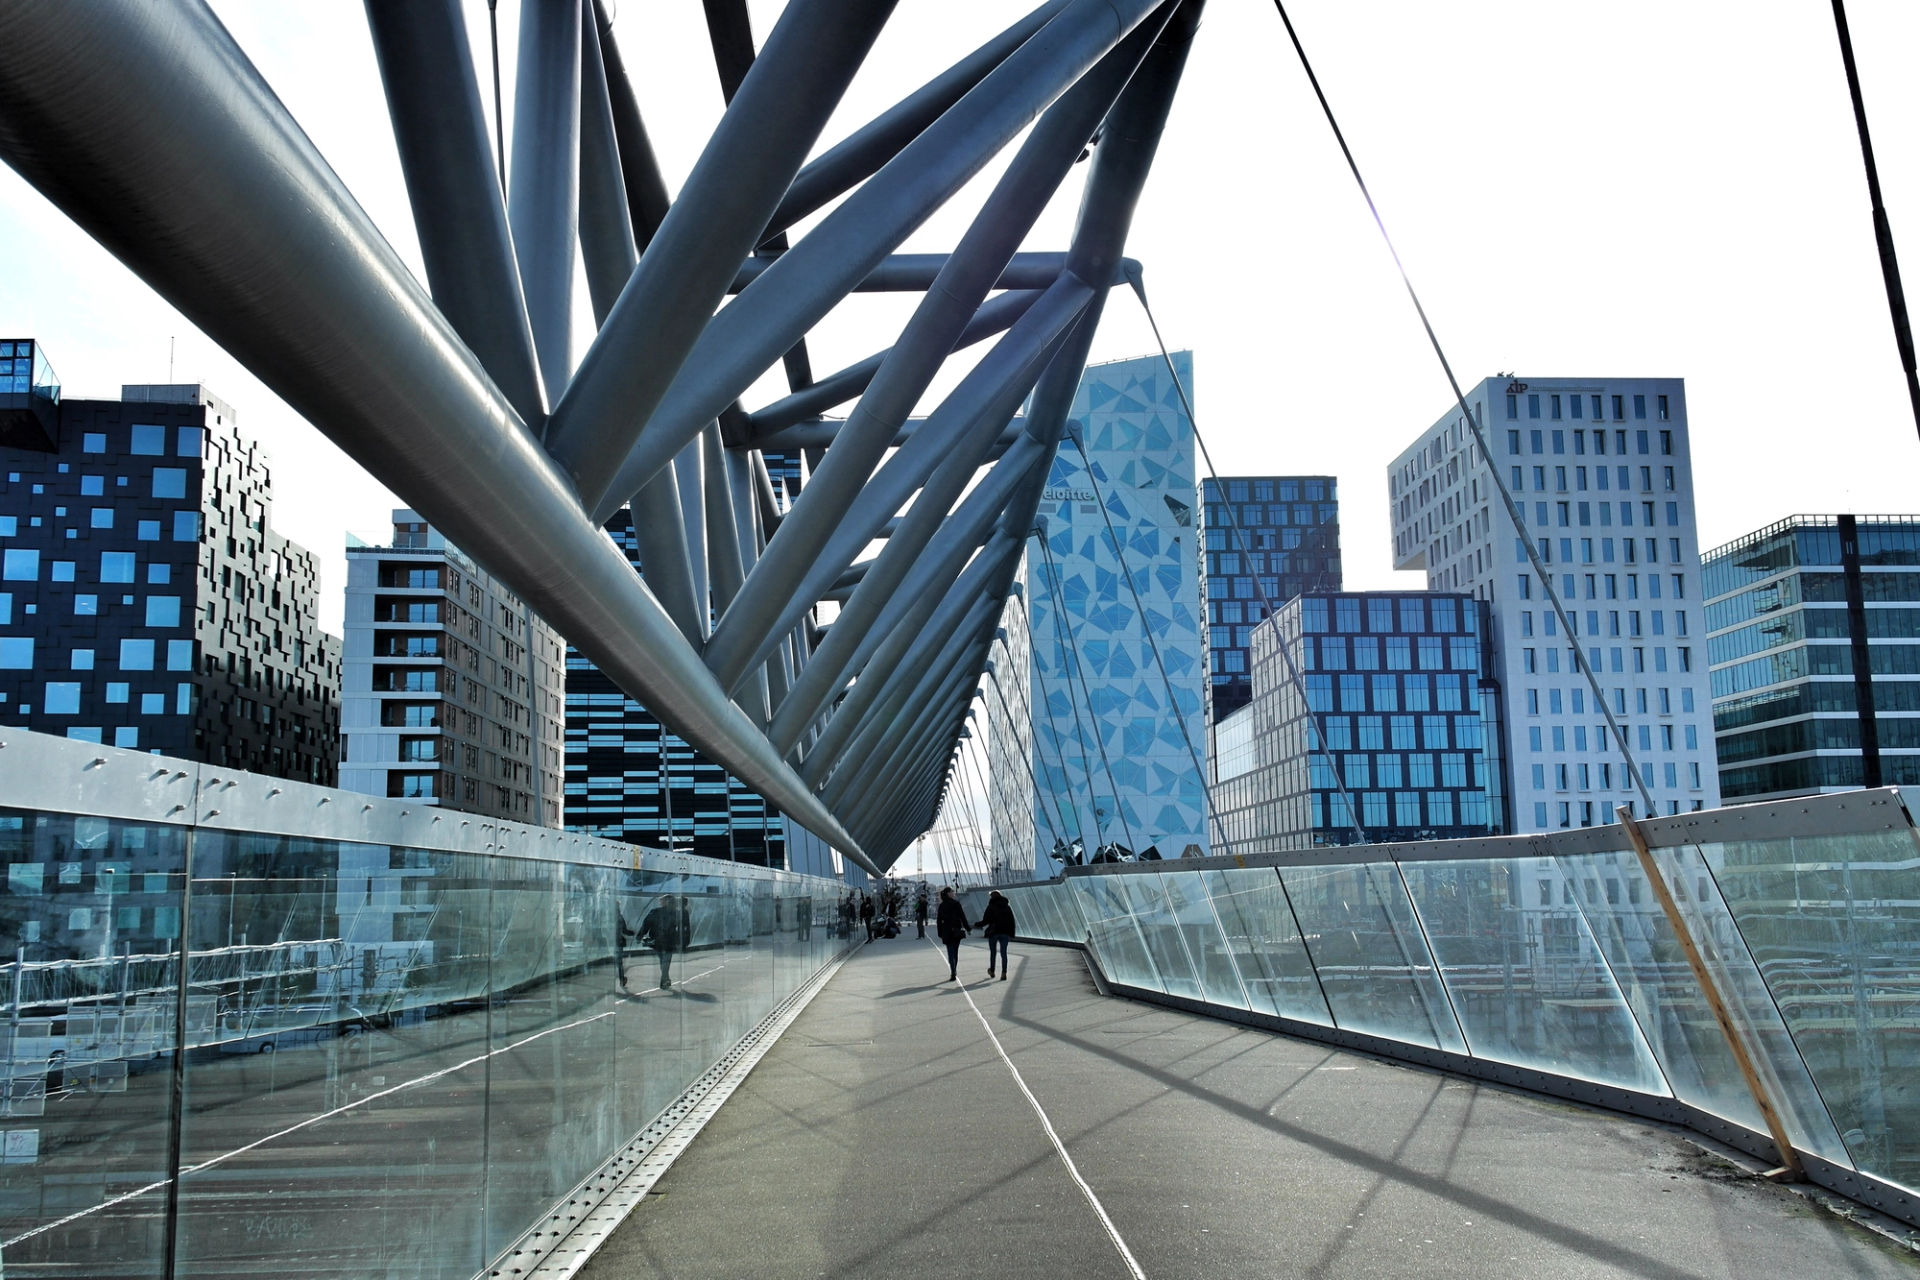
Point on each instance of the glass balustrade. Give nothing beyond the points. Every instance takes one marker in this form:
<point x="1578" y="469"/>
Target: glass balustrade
<point x="1552" y="954"/>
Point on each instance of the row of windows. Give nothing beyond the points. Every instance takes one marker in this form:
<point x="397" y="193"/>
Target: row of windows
<point x="1235" y="611"/>
<point x="67" y="698"/>
<point x="1601" y="477"/>
<point x="1393" y="693"/>
<point x="1815" y="660"/>
<point x="168" y="482"/>
<point x="1566" y="514"/>
<point x="1310" y="574"/>
<point x="1435" y="653"/>
<point x="1575" y="407"/>
<point x="146" y="440"/>
<point x="1603" y="586"/>
<point x="1359" y="771"/>
<point x="1577" y="700"/>
<point x="115" y="566"/>
<point x="1582" y="777"/>
<point x="1443" y="809"/>
<point x="1399" y="733"/>
<point x="1268" y="490"/>
<point x="1816" y="771"/>
<point x="1656" y="618"/>
<point x="17" y="654"/>
<point x="1598" y="660"/>
<point x="1815" y="696"/>
<point x="1538" y="736"/>
<point x="1226" y="519"/>
<point x="1231" y="561"/>
<point x="1412" y="614"/>
<point x="1606" y="818"/>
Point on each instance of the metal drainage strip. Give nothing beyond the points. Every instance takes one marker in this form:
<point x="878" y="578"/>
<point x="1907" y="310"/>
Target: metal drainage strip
<point x="557" y="1248"/>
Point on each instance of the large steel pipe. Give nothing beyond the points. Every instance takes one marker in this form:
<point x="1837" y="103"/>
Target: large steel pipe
<point x="103" y="105"/>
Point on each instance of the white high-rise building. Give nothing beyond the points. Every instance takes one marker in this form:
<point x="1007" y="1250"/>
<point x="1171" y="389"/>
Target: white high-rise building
<point x="1602" y="471"/>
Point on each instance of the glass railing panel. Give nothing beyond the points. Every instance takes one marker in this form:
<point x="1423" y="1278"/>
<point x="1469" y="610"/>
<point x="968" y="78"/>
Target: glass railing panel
<point x="92" y="906"/>
<point x="550" y="1077"/>
<point x="1265" y="944"/>
<point x="1660" y="987"/>
<point x="1110" y="932"/>
<point x="1205" y="945"/>
<point x="1153" y="915"/>
<point x="1524" y="973"/>
<point x="337" y="999"/>
<point x="1834" y="924"/>
<point x="1367" y="948"/>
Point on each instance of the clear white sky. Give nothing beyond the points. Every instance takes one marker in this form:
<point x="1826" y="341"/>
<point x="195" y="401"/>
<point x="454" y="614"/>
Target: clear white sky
<point x="1627" y="189"/>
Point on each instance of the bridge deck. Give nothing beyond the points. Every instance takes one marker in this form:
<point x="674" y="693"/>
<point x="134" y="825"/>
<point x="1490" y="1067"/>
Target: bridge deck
<point x="885" y="1133"/>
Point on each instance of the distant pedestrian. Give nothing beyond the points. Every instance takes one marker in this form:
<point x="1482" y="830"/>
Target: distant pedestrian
<point x="667" y="929"/>
<point x="997" y="923"/>
<point x="866" y="915"/>
<point x="951" y="924"/>
<point x="920" y="911"/>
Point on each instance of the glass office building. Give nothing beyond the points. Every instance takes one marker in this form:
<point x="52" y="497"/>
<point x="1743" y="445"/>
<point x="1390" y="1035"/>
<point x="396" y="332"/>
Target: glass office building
<point x="1268" y="539"/>
<point x="1376" y="717"/>
<point x="1118" y="671"/>
<point x="1813" y="641"/>
<point x="630" y="778"/>
<point x="145" y="599"/>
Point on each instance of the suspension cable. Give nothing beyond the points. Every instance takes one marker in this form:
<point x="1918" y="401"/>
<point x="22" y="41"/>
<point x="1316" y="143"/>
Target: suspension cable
<point x="1173" y="702"/>
<point x="1058" y="738"/>
<point x="499" y="120"/>
<point x="1473" y="423"/>
<point x="1069" y="644"/>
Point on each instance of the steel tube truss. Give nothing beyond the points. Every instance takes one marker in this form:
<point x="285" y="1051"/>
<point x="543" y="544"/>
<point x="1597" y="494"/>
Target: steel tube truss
<point x="146" y="123"/>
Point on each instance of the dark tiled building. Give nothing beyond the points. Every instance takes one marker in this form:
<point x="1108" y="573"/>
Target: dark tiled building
<point x="1813" y="646"/>
<point x="1393" y="726"/>
<point x="1280" y="539"/>
<point x="146" y="601"/>
<point x="629" y="778"/>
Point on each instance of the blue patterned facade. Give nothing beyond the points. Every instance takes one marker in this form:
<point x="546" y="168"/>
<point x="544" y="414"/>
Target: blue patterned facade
<point x="1119" y="723"/>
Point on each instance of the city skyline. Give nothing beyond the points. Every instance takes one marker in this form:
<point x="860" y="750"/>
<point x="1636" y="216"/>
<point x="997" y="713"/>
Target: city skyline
<point x="1666" y="240"/>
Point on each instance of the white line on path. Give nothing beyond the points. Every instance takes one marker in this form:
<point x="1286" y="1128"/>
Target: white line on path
<point x="1113" y="1232"/>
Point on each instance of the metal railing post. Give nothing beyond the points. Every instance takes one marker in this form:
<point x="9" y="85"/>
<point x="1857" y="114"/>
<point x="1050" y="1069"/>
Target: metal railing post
<point x="1789" y="1170"/>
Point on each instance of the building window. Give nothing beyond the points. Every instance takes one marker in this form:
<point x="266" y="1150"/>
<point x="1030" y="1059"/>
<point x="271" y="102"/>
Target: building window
<point x="136" y="655"/>
<point x="1639" y="406"/>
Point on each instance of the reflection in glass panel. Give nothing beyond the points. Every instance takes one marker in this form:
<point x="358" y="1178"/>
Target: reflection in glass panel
<point x="1834" y="924"/>
<point x="1526" y="978"/>
<point x="91" y="923"/>
<point x="1366" y="946"/>
<point x="1115" y="942"/>
<point x="1205" y="947"/>
<point x="1265" y="944"/>
<point x="1679" y="1025"/>
<point x="1154" y="918"/>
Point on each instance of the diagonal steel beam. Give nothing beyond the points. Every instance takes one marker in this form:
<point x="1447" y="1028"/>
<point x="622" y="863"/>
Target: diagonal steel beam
<point x="781" y="106"/>
<point x="647" y="200"/>
<point x="788" y="579"/>
<point x="860" y="156"/>
<point x="996" y="315"/>
<point x="459" y="211"/>
<point x="103" y="105"/>
<point x="543" y="185"/>
<point x="803" y="284"/>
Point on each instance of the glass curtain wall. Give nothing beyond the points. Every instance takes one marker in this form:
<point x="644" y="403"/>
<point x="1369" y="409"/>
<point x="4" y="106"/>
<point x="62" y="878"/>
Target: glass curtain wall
<point x="383" y="1061"/>
<point x="1563" y="962"/>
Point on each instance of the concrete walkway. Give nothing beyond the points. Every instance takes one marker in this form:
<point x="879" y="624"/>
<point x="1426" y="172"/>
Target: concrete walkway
<point x="885" y="1136"/>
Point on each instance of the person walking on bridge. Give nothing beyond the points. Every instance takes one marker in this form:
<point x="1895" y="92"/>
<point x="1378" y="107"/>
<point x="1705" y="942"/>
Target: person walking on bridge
<point x="920" y="910"/>
<point x="667" y="929"/>
<point x="997" y="923"/>
<point x="866" y="914"/>
<point x="951" y="924"/>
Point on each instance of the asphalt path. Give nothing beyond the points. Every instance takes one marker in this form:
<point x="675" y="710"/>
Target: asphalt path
<point x="904" y="1125"/>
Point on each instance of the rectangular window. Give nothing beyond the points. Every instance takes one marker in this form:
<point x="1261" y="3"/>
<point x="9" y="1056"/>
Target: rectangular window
<point x="169" y="482"/>
<point x="100" y="518"/>
<point x="1533" y="406"/>
<point x="163" y="611"/>
<point x="93" y="442"/>
<point x="1513" y="439"/>
<point x="186" y="526"/>
<point x="179" y="655"/>
<point x="136" y="655"/>
<point x="116" y="566"/>
<point x="1619" y="408"/>
<point x="1639" y="406"/>
<point x="20" y="566"/>
<point x="16" y="653"/>
<point x="1660" y="410"/>
<point x="148" y="531"/>
<point x="1535" y="439"/>
<point x="61" y="698"/>
<point x="1560" y="446"/>
<point x="149" y="440"/>
<point x="1673" y="514"/>
<point x="1519" y="484"/>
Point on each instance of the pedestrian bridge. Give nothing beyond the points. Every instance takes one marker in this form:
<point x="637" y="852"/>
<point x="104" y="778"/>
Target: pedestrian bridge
<point x="377" y="1040"/>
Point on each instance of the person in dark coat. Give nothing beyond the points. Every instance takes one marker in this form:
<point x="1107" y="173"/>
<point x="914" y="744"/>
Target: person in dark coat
<point x="951" y="924"/>
<point x="866" y="915"/>
<point x="997" y="923"/>
<point x="667" y="929"/>
<point x="920" y="910"/>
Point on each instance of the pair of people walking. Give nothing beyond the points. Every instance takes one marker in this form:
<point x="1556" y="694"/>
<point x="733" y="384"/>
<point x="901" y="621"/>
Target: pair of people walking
<point x="996" y="922"/>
